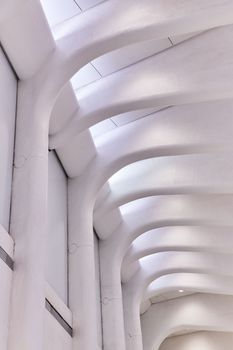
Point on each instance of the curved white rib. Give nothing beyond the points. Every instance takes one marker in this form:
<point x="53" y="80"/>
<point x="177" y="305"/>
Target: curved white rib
<point x="85" y="37"/>
<point x="168" y="211"/>
<point x="125" y="155"/>
<point x="195" y="312"/>
<point x="160" y="264"/>
<point x="169" y="134"/>
<point x="108" y="162"/>
<point x="161" y="80"/>
<point x="163" y="263"/>
<point x="153" y="212"/>
<point x="184" y="238"/>
<point x="179" y="130"/>
<point x="189" y="282"/>
<point x="189" y="174"/>
<point x="201" y="340"/>
<point x="147" y="19"/>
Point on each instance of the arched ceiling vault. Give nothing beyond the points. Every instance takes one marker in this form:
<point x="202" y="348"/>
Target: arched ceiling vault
<point x="195" y="312"/>
<point x="181" y="238"/>
<point x="85" y="37"/>
<point x="161" y="80"/>
<point x="175" y="131"/>
<point x="165" y="220"/>
<point x="160" y="288"/>
<point x="165" y="223"/>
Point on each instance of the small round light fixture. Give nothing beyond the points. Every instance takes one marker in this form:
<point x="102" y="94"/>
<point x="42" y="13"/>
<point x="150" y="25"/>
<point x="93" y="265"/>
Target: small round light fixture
<point x="181" y="291"/>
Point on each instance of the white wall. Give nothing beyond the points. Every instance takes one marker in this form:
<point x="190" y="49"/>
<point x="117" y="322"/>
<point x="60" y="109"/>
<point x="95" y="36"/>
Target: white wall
<point x="56" y="270"/>
<point x="8" y="96"/>
<point x="8" y="91"/>
<point x="55" y="336"/>
<point x="6" y="243"/>
<point x="199" y="341"/>
<point x="98" y="296"/>
<point x="5" y="290"/>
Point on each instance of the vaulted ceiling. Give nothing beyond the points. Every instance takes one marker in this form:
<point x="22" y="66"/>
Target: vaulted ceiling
<point x="146" y="120"/>
<point x="159" y="113"/>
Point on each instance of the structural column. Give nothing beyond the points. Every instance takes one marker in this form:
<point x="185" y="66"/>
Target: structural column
<point x="112" y="308"/>
<point x="82" y="293"/>
<point x="133" y="333"/>
<point x="29" y="222"/>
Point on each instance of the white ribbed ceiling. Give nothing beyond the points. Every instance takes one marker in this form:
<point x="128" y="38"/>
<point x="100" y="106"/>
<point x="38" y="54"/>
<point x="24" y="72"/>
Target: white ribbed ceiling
<point x="159" y="161"/>
<point x="154" y="82"/>
<point x="59" y="11"/>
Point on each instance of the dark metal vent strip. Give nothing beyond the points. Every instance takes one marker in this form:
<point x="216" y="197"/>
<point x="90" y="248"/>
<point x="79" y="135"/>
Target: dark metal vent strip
<point x="58" y="317"/>
<point x="6" y="258"/>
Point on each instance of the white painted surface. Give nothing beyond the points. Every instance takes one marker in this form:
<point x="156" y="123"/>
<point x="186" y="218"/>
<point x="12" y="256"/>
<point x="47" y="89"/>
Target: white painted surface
<point x="85" y="76"/>
<point x="57" y="228"/>
<point x="5" y="293"/>
<point x="199" y="341"/>
<point x="101" y="30"/>
<point x="118" y="59"/>
<point x="8" y="91"/>
<point x="130" y="117"/>
<point x="102" y="127"/>
<point x="85" y="152"/>
<point x="58" y="305"/>
<point x="98" y="296"/>
<point x="8" y="86"/>
<point x="58" y="11"/>
<point x="25" y="35"/>
<point x="195" y="312"/>
<point x="86" y="4"/>
<point x="6" y="243"/>
<point x="63" y="112"/>
<point x="55" y="336"/>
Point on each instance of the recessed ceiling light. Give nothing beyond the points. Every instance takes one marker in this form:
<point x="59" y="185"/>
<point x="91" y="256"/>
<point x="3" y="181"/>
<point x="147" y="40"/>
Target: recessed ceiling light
<point x="181" y="291"/>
